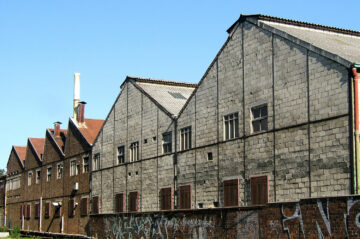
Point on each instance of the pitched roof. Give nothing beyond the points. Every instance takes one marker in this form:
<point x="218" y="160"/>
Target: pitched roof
<point x="60" y="141"/>
<point x="90" y="129"/>
<point x="341" y="42"/>
<point x="21" y="152"/>
<point x="170" y="95"/>
<point x="38" y="144"/>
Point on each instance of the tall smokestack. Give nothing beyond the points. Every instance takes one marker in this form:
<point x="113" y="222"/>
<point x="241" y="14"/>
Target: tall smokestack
<point x="76" y="93"/>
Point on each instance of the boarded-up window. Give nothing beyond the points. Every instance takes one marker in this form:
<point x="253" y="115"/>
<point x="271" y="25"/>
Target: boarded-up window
<point x="84" y="206"/>
<point x="96" y="205"/>
<point x="37" y="210"/>
<point x="47" y="210"/>
<point x="28" y="211"/>
<point x="119" y="202"/>
<point x="166" y="199"/>
<point x="71" y="207"/>
<point x="185" y="197"/>
<point x="133" y="201"/>
<point x="259" y="189"/>
<point x="231" y="192"/>
<point x="57" y="211"/>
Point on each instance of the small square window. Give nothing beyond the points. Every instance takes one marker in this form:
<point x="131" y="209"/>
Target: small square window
<point x="145" y="141"/>
<point x="210" y="156"/>
<point x="259" y="118"/>
<point x="167" y="142"/>
<point x="121" y="154"/>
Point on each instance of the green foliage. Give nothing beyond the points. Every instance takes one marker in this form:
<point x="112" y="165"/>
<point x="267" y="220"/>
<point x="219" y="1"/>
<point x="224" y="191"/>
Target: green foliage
<point x="4" y="229"/>
<point x="15" y="232"/>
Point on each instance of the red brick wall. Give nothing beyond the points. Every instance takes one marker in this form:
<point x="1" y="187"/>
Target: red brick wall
<point x="308" y="218"/>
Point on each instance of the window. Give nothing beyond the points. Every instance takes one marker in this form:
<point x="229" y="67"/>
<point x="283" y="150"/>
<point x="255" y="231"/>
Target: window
<point x="231" y="126"/>
<point x="95" y="205"/>
<point x="49" y="172"/>
<point x="185" y="197"/>
<point x="84" y="206"/>
<point x="231" y="192"/>
<point x="38" y="176"/>
<point x="134" y="151"/>
<point x="86" y="164"/>
<point x="167" y="141"/>
<point x="133" y="201"/>
<point x="57" y="210"/>
<point x="96" y="162"/>
<point x="47" y="209"/>
<point x="29" y="178"/>
<point x="210" y="156"/>
<point x="259" y="190"/>
<point x="119" y="202"/>
<point x="166" y="202"/>
<point x="59" y="170"/>
<point x="185" y="138"/>
<point x="71" y="208"/>
<point x="13" y="183"/>
<point x="37" y="210"/>
<point x="73" y="167"/>
<point x="77" y="169"/>
<point x="28" y="211"/>
<point x="259" y="118"/>
<point x="121" y="154"/>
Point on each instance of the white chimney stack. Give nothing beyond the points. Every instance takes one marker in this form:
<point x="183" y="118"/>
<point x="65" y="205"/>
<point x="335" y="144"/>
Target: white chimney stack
<point x="76" y="93"/>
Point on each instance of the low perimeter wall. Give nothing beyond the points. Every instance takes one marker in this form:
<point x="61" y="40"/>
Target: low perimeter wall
<point x="337" y="217"/>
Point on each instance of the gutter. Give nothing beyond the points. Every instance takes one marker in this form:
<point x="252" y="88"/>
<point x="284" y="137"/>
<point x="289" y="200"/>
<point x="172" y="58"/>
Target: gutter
<point x="355" y="74"/>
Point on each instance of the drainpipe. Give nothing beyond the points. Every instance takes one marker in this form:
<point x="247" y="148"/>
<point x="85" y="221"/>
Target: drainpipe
<point x="355" y="71"/>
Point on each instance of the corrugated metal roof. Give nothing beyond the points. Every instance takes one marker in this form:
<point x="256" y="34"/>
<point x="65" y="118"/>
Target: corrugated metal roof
<point x="343" y="45"/>
<point x="170" y="95"/>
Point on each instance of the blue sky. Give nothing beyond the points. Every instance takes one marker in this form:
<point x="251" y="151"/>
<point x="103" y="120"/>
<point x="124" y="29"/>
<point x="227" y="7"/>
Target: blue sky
<point x="42" y="43"/>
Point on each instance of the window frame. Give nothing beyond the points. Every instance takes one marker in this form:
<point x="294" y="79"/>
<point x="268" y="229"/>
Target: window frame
<point x="167" y="142"/>
<point x="227" y="184"/>
<point x="73" y="166"/>
<point x="185" y="138"/>
<point x="231" y="126"/>
<point x="61" y="167"/>
<point x="86" y="165"/>
<point x="166" y="201"/>
<point x="256" y="200"/>
<point x="37" y="173"/>
<point x="48" y="175"/>
<point x="29" y="179"/>
<point x="96" y="162"/>
<point x="120" y="154"/>
<point x="260" y="118"/>
<point x="188" y="203"/>
<point x="134" y="151"/>
<point x="133" y="206"/>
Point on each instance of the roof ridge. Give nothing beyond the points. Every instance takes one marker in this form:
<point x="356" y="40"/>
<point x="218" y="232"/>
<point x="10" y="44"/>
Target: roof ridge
<point x="161" y="81"/>
<point x="309" y="25"/>
<point x="295" y="23"/>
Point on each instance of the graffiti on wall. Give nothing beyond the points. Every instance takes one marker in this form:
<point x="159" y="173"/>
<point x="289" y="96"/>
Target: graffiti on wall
<point x="325" y="219"/>
<point x="156" y="226"/>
